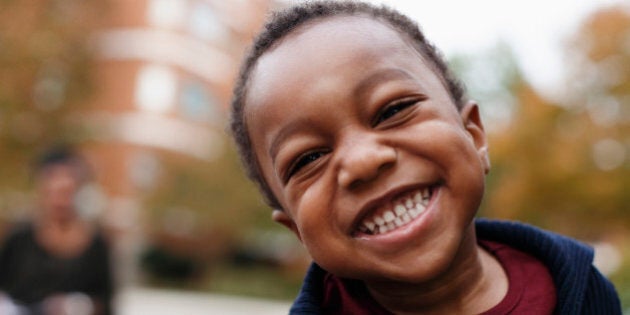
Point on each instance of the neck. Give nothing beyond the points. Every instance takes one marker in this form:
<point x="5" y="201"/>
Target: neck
<point x="473" y="284"/>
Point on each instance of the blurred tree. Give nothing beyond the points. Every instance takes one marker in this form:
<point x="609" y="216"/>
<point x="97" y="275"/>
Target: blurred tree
<point x="216" y="194"/>
<point x="44" y="74"/>
<point x="566" y="167"/>
<point x="490" y="76"/>
<point x="202" y="211"/>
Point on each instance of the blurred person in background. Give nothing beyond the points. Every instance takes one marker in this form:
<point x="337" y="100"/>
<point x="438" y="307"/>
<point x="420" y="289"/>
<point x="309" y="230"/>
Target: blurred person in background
<point x="59" y="262"/>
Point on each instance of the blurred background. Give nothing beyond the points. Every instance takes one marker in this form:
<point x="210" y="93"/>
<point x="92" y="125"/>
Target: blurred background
<point x="142" y="87"/>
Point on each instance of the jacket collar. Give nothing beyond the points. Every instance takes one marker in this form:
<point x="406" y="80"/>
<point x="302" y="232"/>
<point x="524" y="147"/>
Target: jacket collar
<point x="568" y="261"/>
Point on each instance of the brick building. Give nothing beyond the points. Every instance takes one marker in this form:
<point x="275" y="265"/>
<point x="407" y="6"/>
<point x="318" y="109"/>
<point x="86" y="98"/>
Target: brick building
<point x="163" y="76"/>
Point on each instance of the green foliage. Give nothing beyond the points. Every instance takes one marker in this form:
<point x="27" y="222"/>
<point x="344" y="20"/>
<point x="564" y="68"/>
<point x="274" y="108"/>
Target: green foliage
<point x="216" y="192"/>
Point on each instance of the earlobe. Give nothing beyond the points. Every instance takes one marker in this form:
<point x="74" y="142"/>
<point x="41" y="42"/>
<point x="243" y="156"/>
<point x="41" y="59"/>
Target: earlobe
<point x="472" y="122"/>
<point x="284" y="219"/>
<point x="485" y="159"/>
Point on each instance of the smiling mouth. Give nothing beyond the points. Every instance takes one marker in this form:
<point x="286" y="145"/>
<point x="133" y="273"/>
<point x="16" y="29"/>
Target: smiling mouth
<point x="402" y="212"/>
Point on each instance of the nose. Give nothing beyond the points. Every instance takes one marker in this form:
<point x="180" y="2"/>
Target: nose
<point x="363" y="160"/>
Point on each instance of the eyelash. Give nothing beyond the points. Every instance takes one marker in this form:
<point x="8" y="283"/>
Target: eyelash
<point x="385" y="114"/>
<point x="303" y="161"/>
<point x="392" y="110"/>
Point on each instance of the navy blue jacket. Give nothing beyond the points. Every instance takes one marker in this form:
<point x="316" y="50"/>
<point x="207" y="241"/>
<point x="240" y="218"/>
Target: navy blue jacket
<point x="581" y="289"/>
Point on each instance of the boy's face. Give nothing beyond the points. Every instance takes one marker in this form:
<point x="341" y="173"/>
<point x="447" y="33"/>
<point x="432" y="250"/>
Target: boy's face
<point x="351" y="127"/>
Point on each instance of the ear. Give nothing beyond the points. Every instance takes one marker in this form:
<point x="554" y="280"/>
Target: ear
<point x="284" y="219"/>
<point x="473" y="125"/>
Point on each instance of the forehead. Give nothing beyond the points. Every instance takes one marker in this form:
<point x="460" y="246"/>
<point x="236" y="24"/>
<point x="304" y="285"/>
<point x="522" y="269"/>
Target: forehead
<point x="320" y="47"/>
<point x="307" y="61"/>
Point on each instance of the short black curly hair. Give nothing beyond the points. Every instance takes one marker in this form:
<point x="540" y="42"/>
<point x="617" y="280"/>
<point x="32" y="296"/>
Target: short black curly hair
<point x="281" y="24"/>
<point x="62" y="155"/>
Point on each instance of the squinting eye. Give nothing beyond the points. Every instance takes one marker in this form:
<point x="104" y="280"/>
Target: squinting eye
<point x="303" y="161"/>
<point x="392" y="110"/>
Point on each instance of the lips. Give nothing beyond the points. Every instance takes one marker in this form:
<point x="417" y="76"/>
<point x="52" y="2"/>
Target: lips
<point x="400" y="212"/>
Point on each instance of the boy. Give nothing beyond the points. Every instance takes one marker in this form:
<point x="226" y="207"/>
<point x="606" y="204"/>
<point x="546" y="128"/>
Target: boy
<point x="365" y="144"/>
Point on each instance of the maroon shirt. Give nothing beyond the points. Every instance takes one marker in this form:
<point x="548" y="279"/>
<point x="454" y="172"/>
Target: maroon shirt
<point x="531" y="289"/>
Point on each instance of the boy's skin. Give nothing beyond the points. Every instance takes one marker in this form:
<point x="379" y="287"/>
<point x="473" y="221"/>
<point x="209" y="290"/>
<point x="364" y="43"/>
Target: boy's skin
<point x="346" y="120"/>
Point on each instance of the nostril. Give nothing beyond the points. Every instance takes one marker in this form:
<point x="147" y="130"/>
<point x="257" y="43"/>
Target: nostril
<point x="355" y="184"/>
<point x="385" y="167"/>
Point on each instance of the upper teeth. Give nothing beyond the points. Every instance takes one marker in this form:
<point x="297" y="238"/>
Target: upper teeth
<point x="403" y="212"/>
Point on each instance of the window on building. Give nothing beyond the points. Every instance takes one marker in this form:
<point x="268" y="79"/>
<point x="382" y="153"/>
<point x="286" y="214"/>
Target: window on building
<point x="155" y="88"/>
<point x="204" y="22"/>
<point x="168" y="14"/>
<point x="197" y="103"/>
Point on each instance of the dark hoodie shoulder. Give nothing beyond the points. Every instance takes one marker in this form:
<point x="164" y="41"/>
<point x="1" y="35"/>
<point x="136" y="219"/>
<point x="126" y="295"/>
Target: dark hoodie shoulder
<point x="580" y="286"/>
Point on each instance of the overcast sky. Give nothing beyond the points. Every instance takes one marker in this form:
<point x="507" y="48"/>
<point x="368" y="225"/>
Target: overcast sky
<point x="535" y="29"/>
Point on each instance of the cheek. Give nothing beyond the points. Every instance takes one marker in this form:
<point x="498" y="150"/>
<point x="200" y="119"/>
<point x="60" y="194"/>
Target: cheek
<point x="446" y="144"/>
<point x="311" y="206"/>
<point x="316" y="220"/>
<point x="453" y="153"/>
<point x="463" y="173"/>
